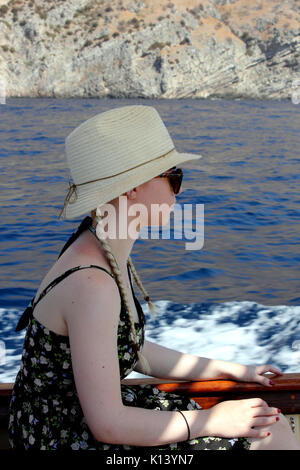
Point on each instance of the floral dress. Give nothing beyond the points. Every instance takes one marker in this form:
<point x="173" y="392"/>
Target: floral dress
<point x="45" y="411"/>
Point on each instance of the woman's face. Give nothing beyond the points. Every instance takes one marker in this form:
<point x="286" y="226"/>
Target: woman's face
<point x="147" y="205"/>
<point x="158" y="198"/>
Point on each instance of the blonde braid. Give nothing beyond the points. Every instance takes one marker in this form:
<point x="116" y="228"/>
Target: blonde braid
<point x="140" y="285"/>
<point x="116" y="271"/>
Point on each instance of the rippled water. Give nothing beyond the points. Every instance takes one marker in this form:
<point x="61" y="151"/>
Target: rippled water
<point x="248" y="181"/>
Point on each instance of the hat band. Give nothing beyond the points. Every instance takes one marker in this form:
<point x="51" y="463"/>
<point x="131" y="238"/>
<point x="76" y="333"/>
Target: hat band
<point x="72" y="186"/>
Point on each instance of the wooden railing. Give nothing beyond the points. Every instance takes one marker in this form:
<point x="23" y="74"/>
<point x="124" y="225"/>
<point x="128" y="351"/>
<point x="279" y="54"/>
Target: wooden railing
<point x="285" y="394"/>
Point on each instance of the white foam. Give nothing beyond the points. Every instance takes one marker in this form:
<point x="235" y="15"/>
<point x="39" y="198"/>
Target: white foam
<point x="243" y="332"/>
<point x="267" y="338"/>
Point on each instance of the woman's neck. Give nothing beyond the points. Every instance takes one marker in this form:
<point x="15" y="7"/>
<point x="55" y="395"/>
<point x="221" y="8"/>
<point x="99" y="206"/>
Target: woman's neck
<point x="120" y="247"/>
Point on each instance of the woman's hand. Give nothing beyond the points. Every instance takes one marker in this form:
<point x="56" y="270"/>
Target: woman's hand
<point x="254" y="374"/>
<point x="237" y="418"/>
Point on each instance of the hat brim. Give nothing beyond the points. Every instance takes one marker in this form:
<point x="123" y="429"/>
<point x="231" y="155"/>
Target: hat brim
<point x="95" y="194"/>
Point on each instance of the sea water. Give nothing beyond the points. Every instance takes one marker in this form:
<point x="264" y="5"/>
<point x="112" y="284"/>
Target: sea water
<point x="236" y="298"/>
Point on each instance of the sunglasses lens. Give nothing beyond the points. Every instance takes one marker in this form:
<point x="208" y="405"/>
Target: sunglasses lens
<point x="176" y="180"/>
<point x="175" y="176"/>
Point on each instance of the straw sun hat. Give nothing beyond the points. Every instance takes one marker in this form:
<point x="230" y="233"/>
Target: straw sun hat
<point x="114" y="152"/>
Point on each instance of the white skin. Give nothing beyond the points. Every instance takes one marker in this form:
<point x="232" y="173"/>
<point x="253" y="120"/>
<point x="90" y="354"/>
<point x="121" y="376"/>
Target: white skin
<point x="155" y="191"/>
<point x="253" y="418"/>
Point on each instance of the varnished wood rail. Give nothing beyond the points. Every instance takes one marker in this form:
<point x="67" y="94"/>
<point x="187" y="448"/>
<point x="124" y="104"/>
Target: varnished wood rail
<point x="285" y="394"/>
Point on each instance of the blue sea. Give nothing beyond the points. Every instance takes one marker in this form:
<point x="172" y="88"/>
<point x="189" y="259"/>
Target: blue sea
<point x="235" y="298"/>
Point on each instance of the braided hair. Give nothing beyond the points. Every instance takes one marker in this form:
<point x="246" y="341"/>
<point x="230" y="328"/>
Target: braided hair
<point x="118" y="277"/>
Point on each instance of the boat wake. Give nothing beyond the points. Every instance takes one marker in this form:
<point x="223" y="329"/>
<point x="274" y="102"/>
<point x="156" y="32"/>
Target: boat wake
<point x="244" y="332"/>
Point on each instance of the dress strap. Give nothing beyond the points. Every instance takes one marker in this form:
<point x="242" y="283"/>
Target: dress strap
<point x="25" y="317"/>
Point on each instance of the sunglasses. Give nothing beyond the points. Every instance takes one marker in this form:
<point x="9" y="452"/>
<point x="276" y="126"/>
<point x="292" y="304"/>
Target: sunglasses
<point x="175" y="176"/>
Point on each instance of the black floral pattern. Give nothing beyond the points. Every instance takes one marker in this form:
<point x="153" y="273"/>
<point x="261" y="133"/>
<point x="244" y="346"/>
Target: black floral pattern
<point x="45" y="411"/>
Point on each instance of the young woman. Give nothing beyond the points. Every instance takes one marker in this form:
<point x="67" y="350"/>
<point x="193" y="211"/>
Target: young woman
<point x="86" y="328"/>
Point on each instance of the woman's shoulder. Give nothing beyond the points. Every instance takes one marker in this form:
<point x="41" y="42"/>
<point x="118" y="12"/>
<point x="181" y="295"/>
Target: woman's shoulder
<point x="54" y="309"/>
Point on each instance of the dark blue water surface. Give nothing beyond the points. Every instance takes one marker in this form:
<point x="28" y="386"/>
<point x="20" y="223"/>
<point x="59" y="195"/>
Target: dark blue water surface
<point x="248" y="181"/>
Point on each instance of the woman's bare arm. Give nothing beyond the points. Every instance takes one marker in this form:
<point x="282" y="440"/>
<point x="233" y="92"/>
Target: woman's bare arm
<point x="92" y="317"/>
<point x="168" y="364"/>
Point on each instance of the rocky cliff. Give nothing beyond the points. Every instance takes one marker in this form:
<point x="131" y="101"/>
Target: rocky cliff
<point x="150" y="48"/>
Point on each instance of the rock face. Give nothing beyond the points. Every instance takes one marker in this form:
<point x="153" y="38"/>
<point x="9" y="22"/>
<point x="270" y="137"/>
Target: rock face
<point x="150" y="48"/>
